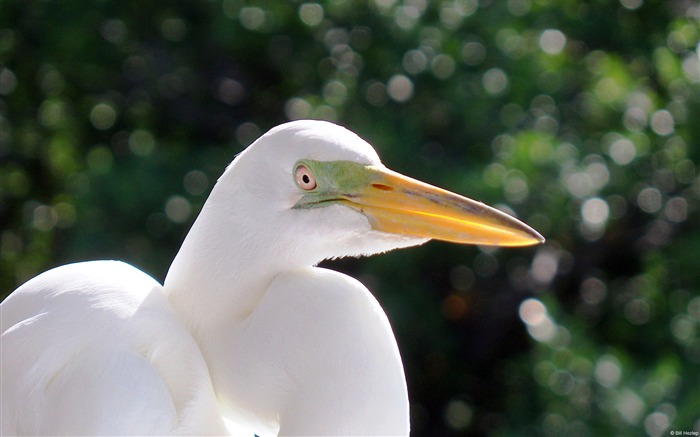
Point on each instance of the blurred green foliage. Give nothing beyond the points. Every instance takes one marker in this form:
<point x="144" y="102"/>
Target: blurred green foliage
<point x="581" y="117"/>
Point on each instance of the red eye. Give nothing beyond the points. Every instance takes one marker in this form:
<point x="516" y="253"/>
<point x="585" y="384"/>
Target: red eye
<point x="304" y="178"/>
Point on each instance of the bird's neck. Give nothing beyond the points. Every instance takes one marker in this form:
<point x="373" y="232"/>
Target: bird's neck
<point x="219" y="274"/>
<point x="217" y="279"/>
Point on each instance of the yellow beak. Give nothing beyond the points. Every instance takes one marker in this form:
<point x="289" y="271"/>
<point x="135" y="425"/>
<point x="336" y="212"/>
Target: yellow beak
<point x="398" y="204"/>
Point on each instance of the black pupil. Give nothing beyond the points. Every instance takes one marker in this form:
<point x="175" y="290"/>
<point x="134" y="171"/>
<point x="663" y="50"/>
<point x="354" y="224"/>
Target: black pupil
<point x="305" y="179"/>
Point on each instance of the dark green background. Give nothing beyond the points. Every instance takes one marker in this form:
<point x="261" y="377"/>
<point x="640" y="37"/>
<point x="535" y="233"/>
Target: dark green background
<point x="581" y="117"/>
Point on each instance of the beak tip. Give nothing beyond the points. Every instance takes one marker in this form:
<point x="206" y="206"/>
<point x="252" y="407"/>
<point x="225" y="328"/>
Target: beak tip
<point x="535" y="238"/>
<point x="525" y="238"/>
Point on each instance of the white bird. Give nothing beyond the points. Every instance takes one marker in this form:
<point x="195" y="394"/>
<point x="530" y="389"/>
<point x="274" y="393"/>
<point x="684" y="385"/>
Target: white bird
<point x="245" y="335"/>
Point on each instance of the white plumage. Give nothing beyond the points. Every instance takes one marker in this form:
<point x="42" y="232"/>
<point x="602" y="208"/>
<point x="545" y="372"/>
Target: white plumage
<point x="245" y="336"/>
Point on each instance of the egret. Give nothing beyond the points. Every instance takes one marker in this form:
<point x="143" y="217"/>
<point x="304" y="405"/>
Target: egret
<point x="246" y="335"/>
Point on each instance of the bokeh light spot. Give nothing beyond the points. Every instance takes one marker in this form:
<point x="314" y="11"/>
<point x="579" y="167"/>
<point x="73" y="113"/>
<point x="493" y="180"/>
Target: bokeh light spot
<point x="597" y="169"/>
<point x="195" y="182"/>
<point x="246" y="133"/>
<point x="595" y="211"/>
<point x="66" y="213"/>
<point x="230" y="91"/>
<point x="252" y="17"/>
<point x="443" y="66"/>
<point x="638" y="311"/>
<point x="608" y="371"/>
<point x="561" y="382"/>
<point x="296" y="108"/>
<point x="516" y="189"/>
<point x="8" y="81"/>
<point x="400" y="88"/>
<point x="141" y="142"/>
<point x="473" y="53"/>
<point x="51" y="81"/>
<point x="649" y="200"/>
<point x="662" y="123"/>
<point x="608" y="90"/>
<point x="691" y="67"/>
<point x="494" y="174"/>
<point x="311" y="14"/>
<point x="324" y="112"/>
<point x="376" y="93"/>
<point x="103" y="115"/>
<point x="178" y="209"/>
<point x="656" y="424"/>
<point x="495" y="81"/>
<point x="335" y="93"/>
<point x="635" y="119"/>
<point x="676" y="209"/>
<point x="408" y="15"/>
<point x="99" y="159"/>
<point x="631" y="4"/>
<point x="593" y="290"/>
<point x="544" y="265"/>
<point x="44" y="218"/>
<point x="454" y="307"/>
<point x="414" y="62"/>
<point x="552" y="41"/>
<point x="694" y="308"/>
<point x="683" y="328"/>
<point x="532" y="311"/>
<point x="622" y="151"/>
<point x="630" y="406"/>
<point x="52" y="113"/>
<point x="519" y="8"/>
<point x="539" y="325"/>
<point x="458" y="414"/>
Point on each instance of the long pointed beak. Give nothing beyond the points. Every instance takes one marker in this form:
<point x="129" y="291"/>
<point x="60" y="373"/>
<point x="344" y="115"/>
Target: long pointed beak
<point x="398" y="204"/>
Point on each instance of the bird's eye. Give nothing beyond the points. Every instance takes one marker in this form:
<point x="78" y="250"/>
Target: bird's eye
<point x="305" y="179"/>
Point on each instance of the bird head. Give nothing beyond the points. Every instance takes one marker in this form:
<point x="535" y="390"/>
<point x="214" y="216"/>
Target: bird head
<point x="320" y="189"/>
